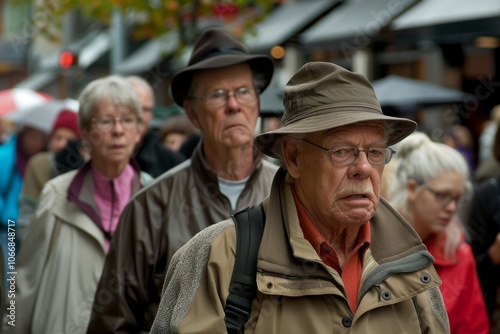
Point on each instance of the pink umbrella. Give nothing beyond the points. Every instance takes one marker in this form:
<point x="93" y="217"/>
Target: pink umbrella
<point x="19" y="98"/>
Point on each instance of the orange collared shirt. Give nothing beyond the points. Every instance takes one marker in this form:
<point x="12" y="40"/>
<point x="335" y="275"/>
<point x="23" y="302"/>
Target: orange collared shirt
<point x="352" y="270"/>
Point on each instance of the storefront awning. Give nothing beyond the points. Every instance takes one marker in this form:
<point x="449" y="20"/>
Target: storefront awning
<point x="354" y="22"/>
<point x="281" y="24"/>
<point x="448" y="21"/>
<point x="284" y="22"/>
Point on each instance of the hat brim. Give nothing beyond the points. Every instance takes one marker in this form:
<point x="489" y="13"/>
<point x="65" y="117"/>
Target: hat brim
<point x="261" y="64"/>
<point x="399" y="128"/>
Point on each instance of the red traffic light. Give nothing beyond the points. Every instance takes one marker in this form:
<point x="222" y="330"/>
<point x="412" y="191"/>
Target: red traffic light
<point x="67" y="59"/>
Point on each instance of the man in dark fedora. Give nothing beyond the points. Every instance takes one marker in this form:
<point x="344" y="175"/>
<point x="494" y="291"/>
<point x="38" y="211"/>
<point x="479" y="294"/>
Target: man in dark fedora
<point x="219" y="91"/>
<point x="334" y="257"/>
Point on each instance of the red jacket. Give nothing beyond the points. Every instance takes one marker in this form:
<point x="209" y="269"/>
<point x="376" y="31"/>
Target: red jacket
<point x="461" y="290"/>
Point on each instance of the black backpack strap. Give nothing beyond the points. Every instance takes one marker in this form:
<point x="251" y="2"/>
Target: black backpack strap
<point x="249" y="225"/>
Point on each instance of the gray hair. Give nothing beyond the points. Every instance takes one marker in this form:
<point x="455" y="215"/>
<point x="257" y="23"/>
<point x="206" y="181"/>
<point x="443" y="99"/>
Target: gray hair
<point x="113" y="88"/>
<point x="421" y="159"/>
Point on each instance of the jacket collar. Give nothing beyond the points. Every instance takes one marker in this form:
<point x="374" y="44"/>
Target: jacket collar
<point x="81" y="190"/>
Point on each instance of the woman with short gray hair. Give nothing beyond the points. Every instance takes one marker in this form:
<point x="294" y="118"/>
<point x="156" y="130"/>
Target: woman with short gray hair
<point x="77" y="215"/>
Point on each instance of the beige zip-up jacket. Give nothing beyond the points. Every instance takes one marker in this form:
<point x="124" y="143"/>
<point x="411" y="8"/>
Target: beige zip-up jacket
<point x="297" y="293"/>
<point x="60" y="262"/>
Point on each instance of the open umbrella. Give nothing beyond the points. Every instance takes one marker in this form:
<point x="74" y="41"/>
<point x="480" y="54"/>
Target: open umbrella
<point x="405" y="93"/>
<point x="19" y="98"/>
<point x="42" y="116"/>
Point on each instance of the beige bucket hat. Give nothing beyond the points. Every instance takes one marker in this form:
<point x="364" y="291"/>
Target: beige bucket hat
<point x="322" y="96"/>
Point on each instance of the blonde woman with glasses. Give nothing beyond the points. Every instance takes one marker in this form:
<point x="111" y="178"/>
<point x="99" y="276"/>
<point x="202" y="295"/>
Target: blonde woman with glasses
<point x="428" y="181"/>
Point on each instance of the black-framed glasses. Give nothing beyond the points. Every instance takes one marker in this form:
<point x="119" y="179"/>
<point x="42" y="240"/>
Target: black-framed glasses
<point x="444" y="198"/>
<point x="106" y="123"/>
<point x="219" y="98"/>
<point x="346" y="154"/>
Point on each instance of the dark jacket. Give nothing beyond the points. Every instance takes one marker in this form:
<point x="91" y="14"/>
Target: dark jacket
<point x="483" y="227"/>
<point x="153" y="226"/>
<point x="154" y="158"/>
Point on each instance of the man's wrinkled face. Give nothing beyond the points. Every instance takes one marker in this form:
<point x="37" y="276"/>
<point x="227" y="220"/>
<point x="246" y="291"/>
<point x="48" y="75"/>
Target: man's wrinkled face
<point x="347" y="194"/>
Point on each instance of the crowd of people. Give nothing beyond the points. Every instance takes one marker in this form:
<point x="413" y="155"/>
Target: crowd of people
<point x="128" y="229"/>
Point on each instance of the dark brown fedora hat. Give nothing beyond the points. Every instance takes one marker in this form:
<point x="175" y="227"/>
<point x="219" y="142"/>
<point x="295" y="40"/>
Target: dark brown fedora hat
<point x="322" y="96"/>
<point x="216" y="48"/>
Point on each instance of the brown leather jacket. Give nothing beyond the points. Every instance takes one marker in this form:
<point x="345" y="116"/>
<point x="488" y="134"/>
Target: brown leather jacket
<point x="153" y="226"/>
<point x="297" y="292"/>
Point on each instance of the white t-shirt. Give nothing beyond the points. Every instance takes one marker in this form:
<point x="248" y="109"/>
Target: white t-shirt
<point x="232" y="189"/>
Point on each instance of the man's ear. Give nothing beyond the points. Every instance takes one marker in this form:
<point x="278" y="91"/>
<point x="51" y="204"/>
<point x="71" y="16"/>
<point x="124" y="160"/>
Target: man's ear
<point x="191" y="114"/>
<point x="290" y="148"/>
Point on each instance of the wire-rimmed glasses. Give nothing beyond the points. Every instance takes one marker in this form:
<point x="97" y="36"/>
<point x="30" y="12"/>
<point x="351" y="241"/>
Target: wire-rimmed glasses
<point x="219" y="98"/>
<point x="346" y="154"/>
<point x="106" y="123"/>
<point x="443" y="198"/>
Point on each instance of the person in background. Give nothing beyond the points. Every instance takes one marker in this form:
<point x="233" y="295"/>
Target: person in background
<point x="189" y="145"/>
<point x="62" y="257"/>
<point x="429" y="180"/>
<point x="484" y="234"/>
<point x="150" y="154"/>
<point x="4" y="131"/>
<point x="175" y="131"/>
<point x="487" y="136"/>
<point x="334" y="256"/>
<point x="490" y="166"/>
<point x="219" y="91"/>
<point x="42" y="167"/>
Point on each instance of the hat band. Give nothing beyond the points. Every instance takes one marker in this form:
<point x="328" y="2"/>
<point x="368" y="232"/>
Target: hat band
<point x="223" y="50"/>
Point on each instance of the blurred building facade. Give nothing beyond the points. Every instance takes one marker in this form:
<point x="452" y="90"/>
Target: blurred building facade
<point x="453" y="43"/>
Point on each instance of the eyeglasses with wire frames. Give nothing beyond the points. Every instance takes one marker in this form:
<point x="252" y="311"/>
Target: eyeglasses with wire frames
<point x="343" y="155"/>
<point x="106" y="123"/>
<point x="220" y="97"/>
<point x="443" y="198"/>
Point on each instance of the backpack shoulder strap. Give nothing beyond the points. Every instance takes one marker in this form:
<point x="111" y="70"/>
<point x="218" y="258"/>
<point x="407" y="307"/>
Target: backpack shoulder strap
<point x="249" y="225"/>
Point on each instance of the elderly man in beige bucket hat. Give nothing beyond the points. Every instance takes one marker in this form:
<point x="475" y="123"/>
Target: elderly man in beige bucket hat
<point x="219" y="91"/>
<point x="334" y="257"/>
